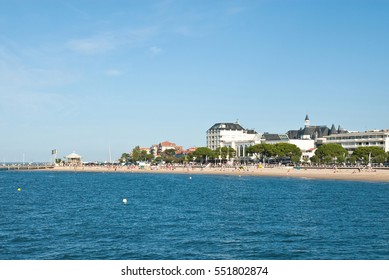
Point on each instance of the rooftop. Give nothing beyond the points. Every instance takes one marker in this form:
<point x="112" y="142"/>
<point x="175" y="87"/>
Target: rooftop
<point x="226" y="126"/>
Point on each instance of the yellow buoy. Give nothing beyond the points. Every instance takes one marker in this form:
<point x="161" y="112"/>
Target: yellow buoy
<point x="19" y="189"/>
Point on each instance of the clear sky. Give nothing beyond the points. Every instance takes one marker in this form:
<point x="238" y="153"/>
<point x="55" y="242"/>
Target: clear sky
<point x="86" y="75"/>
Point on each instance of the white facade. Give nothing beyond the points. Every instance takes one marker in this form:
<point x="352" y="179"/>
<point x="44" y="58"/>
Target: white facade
<point x="241" y="146"/>
<point x="228" y="134"/>
<point x="304" y="145"/>
<point x="351" y="141"/>
<point x="306" y="155"/>
<point x="307" y="148"/>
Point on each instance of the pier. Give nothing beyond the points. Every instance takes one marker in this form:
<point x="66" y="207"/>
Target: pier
<point x="26" y="167"/>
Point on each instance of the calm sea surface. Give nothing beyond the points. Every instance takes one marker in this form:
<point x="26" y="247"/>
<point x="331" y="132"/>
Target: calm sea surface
<point x="81" y="216"/>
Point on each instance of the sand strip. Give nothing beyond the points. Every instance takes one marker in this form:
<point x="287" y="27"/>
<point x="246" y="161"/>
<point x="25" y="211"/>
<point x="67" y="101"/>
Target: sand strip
<point x="330" y="174"/>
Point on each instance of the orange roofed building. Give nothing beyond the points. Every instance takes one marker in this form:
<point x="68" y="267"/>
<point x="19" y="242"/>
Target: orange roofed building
<point x="158" y="149"/>
<point x="163" y="146"/>
<point x="190" y="150"/>
<point x="148" y="150"/>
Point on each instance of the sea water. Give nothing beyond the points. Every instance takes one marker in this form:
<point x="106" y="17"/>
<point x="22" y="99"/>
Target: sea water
<point x="68" y="215"/>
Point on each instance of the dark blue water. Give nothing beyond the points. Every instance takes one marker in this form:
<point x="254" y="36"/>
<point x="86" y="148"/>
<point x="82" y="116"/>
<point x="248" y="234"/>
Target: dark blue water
<point x="81" y="216"/>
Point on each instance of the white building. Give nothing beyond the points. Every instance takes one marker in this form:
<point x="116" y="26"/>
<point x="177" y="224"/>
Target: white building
<point x="235" y="136"/>
<point x="241" y="146"/>
<point x="304" y="145"/>
<point x="231" y="135"/>
<point x="351" y="141"/>
<point x="315" y="132"/>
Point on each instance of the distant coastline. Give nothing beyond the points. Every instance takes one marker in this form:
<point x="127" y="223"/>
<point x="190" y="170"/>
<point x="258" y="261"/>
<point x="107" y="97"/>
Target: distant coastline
<point x="374" y="175"/>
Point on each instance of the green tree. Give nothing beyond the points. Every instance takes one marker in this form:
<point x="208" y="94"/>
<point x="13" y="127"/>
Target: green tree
<point x="224" y="153"/>
<point x="353" y="159"/>
<point x="328" y="153"/>
<point x="295" y="159"/>
<point x="270" y="150"/>
<point x="202" y="154"/>
<point x="230" y="152"/>
<point x="341" y="159"/>
<point x="169" y="152"/>
<point x="149" y="157"/>
<point x="288" y="150"/>
<point x="380" y="158"/>
<point x="125" y="158"/>
<point x="376" y="154"/>
<point x="136" y="154"/>
<point x="169" y="156"/>
<point x="257" y="149"/>
<point x="328" y="159"/>
<point x="261" y="151"/>
<point x="315" y="159"/>
<point x="158" y="159"/>
<point x="143" y="155"/>
<point x="181" y="158"/>
<point x="189" y="157"/>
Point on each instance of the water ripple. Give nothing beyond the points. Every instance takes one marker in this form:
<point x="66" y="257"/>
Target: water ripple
<point x="81" y="216"/>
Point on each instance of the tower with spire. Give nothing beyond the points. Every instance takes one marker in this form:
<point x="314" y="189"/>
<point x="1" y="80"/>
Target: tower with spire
<point x="306" y="121"/>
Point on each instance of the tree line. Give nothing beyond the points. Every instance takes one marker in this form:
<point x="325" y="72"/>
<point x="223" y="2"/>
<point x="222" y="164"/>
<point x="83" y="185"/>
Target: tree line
<point x="335" y="153"/>
<point x="266" y="153"/>
<point x="202" y="154"/>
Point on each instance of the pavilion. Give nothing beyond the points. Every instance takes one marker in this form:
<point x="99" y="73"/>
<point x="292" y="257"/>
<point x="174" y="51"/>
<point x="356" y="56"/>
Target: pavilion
<point x="73" y="159"/>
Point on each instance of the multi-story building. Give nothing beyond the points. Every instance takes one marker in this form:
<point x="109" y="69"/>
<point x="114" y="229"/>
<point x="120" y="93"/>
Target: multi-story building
<point x="349" y="140"/>
<point x="230" y="135"/>
<point x="166" y="145"/>
<point x="147" y="150"/>
<point x="307" y="138"/>
<point x="312" y="136"/>
<point x="241" y="146"/>
<point x="352" y="140"/>
<point x="235" y="136"/>
<point x="314" y="132"/>
<point x="158" y="149"/>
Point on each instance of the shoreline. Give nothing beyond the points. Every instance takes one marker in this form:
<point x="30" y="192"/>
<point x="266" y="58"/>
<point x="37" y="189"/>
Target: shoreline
<point x="373" y="175"/>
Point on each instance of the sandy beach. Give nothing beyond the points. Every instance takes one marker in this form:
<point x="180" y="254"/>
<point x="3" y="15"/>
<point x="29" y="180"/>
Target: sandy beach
<point x="330" y="174"/>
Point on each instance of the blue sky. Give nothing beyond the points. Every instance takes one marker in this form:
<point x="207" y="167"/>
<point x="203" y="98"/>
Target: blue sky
<point x="86" y="75"/>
